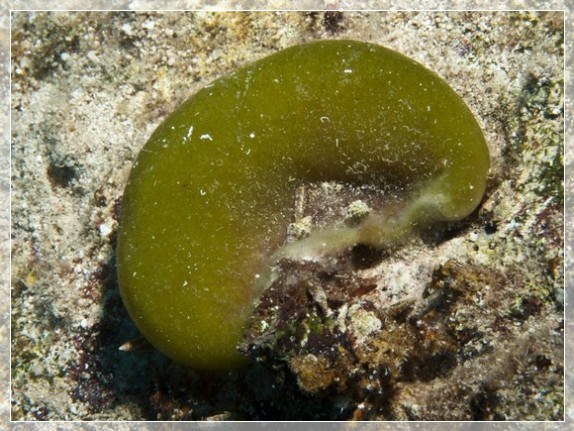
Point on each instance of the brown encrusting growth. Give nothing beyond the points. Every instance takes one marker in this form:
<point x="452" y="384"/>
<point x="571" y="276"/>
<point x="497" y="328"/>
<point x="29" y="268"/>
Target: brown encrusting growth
<point x="336" y="341"/>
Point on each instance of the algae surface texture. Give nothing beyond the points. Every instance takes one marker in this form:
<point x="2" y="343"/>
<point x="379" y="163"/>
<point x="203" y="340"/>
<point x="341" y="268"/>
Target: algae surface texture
<point x="211" y="194"/>
<point x="462" y="322"/>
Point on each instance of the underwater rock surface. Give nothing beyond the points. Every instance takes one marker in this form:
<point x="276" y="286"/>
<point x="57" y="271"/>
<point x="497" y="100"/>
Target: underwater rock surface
<point x="465" y="323"/>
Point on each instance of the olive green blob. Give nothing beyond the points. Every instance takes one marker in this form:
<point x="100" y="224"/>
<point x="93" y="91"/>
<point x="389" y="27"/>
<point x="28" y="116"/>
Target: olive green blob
<point x="211" y="194"/>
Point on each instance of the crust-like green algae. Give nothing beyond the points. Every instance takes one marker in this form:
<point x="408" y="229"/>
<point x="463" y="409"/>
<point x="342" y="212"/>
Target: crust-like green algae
<point x="211" y="194"/>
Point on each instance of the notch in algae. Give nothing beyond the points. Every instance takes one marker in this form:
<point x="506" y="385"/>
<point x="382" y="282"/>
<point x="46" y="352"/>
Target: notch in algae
<point x="210" y="196"/>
